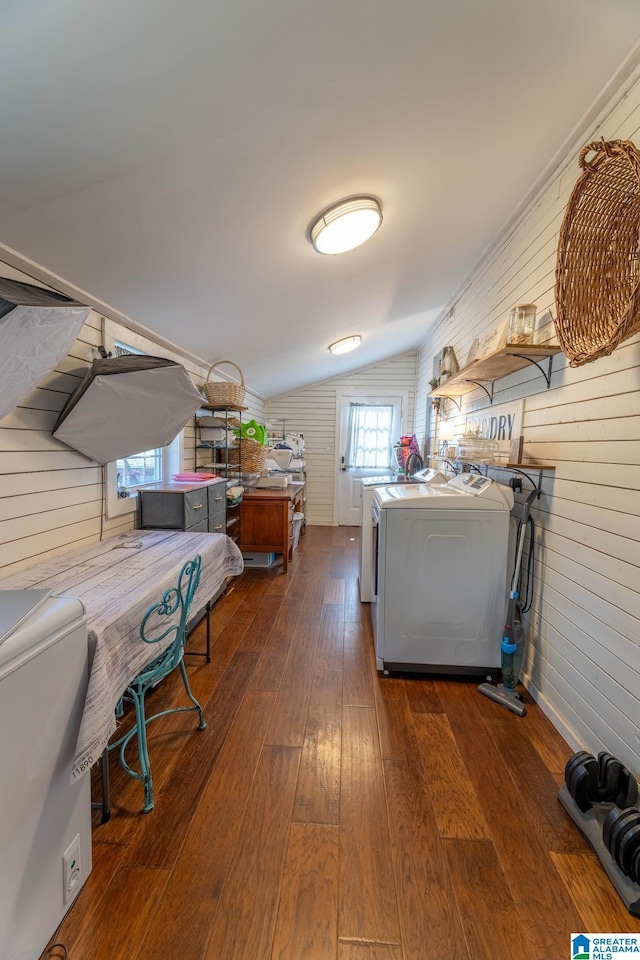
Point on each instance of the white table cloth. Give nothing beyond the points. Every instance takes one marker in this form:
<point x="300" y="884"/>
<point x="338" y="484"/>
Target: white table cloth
<point x="117" y="580"/>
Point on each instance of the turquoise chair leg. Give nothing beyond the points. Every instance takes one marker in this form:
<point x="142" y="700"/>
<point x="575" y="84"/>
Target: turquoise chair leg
<point x="139" y="730"/>
<point x="143" y="754"/>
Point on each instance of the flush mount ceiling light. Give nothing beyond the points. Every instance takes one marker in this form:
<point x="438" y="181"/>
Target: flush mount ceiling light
<point x="346" y="344"/>
<point x="345" y="225"/>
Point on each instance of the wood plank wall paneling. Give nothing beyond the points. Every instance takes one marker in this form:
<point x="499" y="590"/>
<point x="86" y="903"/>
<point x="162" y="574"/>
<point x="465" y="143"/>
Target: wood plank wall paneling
<point x="51" y="496"/>
<point x="312" y="411"/>
<point x="583" y="660"/>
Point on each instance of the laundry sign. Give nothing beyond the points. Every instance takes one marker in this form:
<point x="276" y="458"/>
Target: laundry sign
<point x="501" y="423"/>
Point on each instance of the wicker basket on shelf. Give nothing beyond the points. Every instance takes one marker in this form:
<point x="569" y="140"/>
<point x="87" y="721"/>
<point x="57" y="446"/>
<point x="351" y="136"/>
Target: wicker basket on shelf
<point x="249" y="454"/>
<point x="223" y="392"/>
<point x="597" y="270"/>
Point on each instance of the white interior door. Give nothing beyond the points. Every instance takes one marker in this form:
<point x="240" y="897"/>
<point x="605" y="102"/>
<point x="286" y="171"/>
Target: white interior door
<point x="368" y="427"/>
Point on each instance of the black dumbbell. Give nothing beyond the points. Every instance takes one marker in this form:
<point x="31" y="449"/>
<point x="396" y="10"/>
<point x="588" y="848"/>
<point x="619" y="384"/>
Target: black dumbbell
<point x="635" y="868"/>
<point x="609" y="821"/>
<point x="604" y="780"/>
<point x="620" y="830"/>
<point x="609" y="771"/>
<point x="582" y="783"/>
<point x="616" y="825"/>
<point x="573" y="761"/>
<point x="615" y="783"/>
<point x="629" y="845"/>
<point x="611" y="825"/>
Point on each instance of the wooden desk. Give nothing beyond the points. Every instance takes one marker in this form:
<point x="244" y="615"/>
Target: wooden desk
<point x="266" y="520"/>
<point x="117" y="580"/>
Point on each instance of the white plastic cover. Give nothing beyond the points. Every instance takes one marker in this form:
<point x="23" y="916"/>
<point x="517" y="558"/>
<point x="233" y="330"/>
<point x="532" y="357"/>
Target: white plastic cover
<point x="121" y="414"/>
<point x="33" y="340"/>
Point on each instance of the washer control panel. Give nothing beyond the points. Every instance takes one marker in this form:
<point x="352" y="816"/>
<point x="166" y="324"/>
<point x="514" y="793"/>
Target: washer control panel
<point x="471" y="483"/>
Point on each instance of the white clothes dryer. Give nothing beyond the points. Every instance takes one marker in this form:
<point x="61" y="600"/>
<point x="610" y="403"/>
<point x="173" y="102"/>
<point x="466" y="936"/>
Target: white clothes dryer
<point x="440" y="586"/>
<point x="366" y="495"/>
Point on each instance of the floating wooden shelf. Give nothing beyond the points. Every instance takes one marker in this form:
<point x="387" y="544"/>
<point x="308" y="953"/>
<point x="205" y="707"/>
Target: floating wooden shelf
<point x="506" y="360"/>
<point x="529" y="464"/>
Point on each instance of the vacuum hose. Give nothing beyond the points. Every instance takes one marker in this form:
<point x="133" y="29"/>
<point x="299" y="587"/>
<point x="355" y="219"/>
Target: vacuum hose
<point x="512" y="647"/>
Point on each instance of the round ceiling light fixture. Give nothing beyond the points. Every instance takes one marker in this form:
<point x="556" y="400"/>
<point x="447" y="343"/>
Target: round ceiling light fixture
<point x="345" y="225"/>
<point x="346" y="344"/>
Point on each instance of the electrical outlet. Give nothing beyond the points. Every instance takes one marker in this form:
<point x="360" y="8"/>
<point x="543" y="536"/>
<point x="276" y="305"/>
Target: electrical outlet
<point x="71" y="869"/>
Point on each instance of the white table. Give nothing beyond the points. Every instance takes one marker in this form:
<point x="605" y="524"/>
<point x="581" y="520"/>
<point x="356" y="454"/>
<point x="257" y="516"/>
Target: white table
<point x="117" y="580"/>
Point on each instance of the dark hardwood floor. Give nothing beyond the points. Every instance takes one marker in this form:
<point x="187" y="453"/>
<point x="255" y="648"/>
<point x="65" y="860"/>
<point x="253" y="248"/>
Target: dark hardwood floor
<point x="328" y="814"/>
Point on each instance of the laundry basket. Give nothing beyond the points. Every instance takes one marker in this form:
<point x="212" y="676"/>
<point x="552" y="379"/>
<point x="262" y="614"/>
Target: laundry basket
<point x="597" y="270"/>
<point x="223" y="392"/>
<point x="250" y="455"/>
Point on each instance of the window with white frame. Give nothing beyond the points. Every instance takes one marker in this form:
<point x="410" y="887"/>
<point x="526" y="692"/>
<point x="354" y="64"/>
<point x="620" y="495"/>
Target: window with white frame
<point x="369" y="439"/>
<point x="140" y="468"/>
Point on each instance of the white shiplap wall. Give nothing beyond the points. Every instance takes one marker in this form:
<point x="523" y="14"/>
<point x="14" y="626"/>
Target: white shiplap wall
<point x="312" y="412"/>
<point x="50" y="495"/>
<point x="583" y="660"/>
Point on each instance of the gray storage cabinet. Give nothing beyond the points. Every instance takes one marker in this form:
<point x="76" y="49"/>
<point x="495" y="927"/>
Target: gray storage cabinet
<point x="184" y="506"/>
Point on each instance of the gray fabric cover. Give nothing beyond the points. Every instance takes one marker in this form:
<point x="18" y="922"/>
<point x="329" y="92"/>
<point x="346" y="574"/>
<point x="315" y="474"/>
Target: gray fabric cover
<point x="126" y="405"/>
<point x="37" y="328"/>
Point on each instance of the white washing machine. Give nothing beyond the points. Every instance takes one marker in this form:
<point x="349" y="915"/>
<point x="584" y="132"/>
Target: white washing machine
<point x="366" y="498"/>
<point x="440" y="590"/>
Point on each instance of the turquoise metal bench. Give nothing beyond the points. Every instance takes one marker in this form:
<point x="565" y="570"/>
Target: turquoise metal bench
<point x="165" y="619"/>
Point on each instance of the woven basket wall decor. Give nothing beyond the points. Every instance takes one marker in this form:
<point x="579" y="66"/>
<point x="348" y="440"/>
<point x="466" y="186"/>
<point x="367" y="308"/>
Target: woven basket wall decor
<point x="597" y="269"/>
<point x="223" y="392"/>
<point x="249" y="454"/>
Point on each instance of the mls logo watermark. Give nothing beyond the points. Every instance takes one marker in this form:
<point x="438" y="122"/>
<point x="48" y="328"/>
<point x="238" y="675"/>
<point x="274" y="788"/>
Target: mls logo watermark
<point x="580" y="947"/>
<point x="604" y="946"/>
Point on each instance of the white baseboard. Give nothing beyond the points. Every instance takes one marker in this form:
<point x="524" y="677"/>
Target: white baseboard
<point x="561" y="725"/>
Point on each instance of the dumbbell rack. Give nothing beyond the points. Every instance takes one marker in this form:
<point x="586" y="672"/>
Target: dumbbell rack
<point x="600" y="796"/>
<point x="591" y="828"/>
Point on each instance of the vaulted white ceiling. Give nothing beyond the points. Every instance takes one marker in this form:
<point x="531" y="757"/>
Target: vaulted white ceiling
<point x="168" y="157"/>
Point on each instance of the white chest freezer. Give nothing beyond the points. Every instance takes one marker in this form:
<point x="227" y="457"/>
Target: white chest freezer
<point x="43" y="816"/>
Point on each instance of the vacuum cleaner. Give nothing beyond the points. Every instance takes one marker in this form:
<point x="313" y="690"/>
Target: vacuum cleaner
<point x="512" y="647"/>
